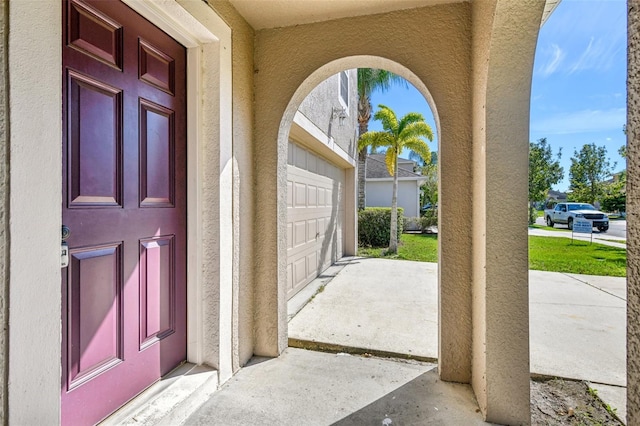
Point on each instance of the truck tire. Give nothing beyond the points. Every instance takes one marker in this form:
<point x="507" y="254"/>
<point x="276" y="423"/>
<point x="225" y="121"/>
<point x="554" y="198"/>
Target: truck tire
<point x="549" y="222"/>
<point x="603" y="228"/>
<point x="570" y="223"/>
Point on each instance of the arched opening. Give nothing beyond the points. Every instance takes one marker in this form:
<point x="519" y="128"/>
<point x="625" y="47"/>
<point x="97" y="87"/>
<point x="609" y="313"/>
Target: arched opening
<point x="418" y="336"/>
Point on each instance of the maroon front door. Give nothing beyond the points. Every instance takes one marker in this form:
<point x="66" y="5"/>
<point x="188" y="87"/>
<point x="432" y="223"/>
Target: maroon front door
<point x="124" y="201"/>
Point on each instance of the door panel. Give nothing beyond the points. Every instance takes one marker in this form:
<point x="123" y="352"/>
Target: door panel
<point x="157" y="290"/>
<point x="95" y="142"/>
<point x="157" y="146"/>
<point x="95" y="337"/>
<point x="124" y="200"/>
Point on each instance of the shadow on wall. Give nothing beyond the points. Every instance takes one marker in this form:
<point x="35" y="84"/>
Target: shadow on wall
<point x="330" y="241"/>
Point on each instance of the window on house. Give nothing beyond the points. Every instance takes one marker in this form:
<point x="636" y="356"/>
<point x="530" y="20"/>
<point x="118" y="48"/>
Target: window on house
<point x="344" y="88"/>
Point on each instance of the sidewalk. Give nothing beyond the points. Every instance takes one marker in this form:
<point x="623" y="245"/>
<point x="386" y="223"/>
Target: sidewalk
<point x="577" y="322"/>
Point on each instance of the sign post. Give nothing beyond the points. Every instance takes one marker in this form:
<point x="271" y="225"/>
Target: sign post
<point x="582" y="226"/>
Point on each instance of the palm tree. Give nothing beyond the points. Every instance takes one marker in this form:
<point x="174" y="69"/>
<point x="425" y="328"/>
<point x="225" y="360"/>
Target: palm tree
<point x="397" y="135"/>
<point x="369" y="80"/>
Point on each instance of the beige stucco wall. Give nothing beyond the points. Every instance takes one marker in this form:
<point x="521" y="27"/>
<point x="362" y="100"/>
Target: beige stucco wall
<point x="289" y="62"/>
<point x="502" y="82"/>
<point x="4" y="217"/>
<point x="242" y="98"/>
<point x="35" y="59"/>
<point x="633" y="214"/>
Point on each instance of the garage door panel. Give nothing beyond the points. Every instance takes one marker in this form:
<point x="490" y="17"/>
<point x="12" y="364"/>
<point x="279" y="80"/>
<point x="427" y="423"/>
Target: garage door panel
<point x="289" y="194"/>
<point x="300" y="270"/>
<point x="300" y="197"/>
<point x="312" y="229"/>
<point x="300" y="157"/>
<point x="312" y="196"/>
<point x="312" y="163"/>
<point x="289" y="235"/>
<point x="290" y="150"/>
<point x="314" y="223"/>
<point x="312" y="263"/>
<point x="300" y="233"/>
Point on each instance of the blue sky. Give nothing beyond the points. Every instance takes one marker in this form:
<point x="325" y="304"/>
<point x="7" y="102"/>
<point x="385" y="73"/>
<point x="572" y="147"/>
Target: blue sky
<point x="578" y="93"/>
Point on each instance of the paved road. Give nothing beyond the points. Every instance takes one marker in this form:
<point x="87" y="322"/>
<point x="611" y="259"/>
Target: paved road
<point x="617" y="228"/>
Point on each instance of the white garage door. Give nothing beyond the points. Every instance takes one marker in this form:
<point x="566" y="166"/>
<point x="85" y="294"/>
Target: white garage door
<point x="315" y="213"/>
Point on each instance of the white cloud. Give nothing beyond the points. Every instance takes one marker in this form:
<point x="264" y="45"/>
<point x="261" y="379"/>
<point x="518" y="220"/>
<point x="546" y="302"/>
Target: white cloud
<point x="581" y="122"/>
<point x="556" y="57"/>
<point x="599" y="55"/>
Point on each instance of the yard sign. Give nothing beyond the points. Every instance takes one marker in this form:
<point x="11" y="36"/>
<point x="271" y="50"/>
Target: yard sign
<point x="582" y="226"/>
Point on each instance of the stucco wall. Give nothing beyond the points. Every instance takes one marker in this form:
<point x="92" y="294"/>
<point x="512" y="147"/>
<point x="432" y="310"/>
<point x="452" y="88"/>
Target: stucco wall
<point x="4" y="219"/>
<point x="633" y="217"/>
<point x="378" y="194"/>
<point x="502" y="82"/>
<point x="35" y="117"/>
<point x="318" y="107"/>
<point x="289" y="62"/>
<point x="242" y="45"/>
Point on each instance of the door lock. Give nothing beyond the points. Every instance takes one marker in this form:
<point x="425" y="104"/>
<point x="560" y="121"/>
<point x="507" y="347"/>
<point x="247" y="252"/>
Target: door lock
<point x="64" y="247"/>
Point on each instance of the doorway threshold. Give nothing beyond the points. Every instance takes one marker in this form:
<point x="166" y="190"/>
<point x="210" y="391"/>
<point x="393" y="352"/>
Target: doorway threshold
<point x="169" y="401"/>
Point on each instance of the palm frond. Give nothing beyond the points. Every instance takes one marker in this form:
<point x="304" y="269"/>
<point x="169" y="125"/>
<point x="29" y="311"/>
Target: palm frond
<point x="372" y="79"/>
<point x="390" y="160"/>
<point x="374" y="139"/>
<point x="419" y="147"/>
<point x="416" y="129"/>
<point x="410" y="117"/>
<point x="388" y="118"/>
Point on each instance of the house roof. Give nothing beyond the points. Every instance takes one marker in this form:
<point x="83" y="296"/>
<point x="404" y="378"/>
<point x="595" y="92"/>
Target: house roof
<point x="377" y="168"/>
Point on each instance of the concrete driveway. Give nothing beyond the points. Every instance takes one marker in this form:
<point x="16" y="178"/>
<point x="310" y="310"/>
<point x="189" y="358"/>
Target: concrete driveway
<point x="381" y="306"/>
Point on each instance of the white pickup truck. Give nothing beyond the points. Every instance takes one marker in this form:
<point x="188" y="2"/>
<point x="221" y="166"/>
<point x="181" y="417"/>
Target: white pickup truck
<point x="567" y="212"/>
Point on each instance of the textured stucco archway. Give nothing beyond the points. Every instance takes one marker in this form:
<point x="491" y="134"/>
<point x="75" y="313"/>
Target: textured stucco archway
<point x="289" y="62"/>
<point x="633" y="210"/>
<point x="317" y="77"/>
<point x="477" y="60"/>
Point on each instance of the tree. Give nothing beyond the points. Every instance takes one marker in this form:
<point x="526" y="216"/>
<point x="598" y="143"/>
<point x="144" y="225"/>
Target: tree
<point x="589" y="169"/>
<point x="544" y="172"/>
<point x="430" y="186"/>
<point x="614" y="198"/>
<point x="369" y="80"/>
<point x="397" y="135"/>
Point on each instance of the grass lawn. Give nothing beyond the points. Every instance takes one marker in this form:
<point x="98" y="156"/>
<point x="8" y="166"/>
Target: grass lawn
<point x="555" y="254"/>
<point x="420" y="247"/>
<point x="559" y="254"/>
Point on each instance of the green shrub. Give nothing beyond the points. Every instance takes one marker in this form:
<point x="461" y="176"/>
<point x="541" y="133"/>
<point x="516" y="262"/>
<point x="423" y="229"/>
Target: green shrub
<point x="429" y="219"/>
<point x="411" y="224"/>
<point x="423" y="223"/>
<point x="374" y="224"/>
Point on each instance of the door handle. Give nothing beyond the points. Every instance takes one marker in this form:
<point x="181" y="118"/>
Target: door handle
<point x="64" y="247"/>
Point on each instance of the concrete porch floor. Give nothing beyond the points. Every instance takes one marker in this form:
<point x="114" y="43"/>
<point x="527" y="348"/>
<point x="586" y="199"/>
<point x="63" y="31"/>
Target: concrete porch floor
<point x="313" y="388"/>
<point x="577" y="331"/>
<point x="377" y="306"/>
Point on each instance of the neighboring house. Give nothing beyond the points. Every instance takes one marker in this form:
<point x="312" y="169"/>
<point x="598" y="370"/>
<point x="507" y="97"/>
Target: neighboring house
<point x="321" y="149"/>
<point x="554" y="197"/>
<point x="158" y="132"/>
<point x="379" y="185"/>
